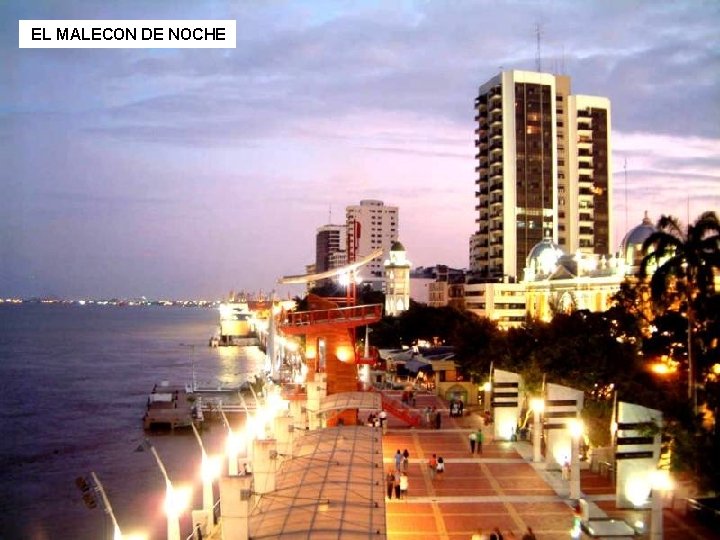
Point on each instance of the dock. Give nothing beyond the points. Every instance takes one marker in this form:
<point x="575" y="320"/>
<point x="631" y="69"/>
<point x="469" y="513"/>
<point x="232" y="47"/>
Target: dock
<point x="168" y="407"/>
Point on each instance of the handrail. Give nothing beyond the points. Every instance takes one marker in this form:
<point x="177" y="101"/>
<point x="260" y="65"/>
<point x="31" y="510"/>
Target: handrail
<point x="304" y="318"/>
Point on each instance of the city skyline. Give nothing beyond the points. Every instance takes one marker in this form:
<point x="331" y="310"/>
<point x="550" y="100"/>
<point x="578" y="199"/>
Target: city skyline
<point x="187" y="173"/>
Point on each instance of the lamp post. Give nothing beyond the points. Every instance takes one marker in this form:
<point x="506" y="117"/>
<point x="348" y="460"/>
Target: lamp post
<point x="576" y="429"/>
<point x="175" y="500"/>
<point x="660" y="481"/>
<point x="208" y="472"/>
<point x="538" y="405"/>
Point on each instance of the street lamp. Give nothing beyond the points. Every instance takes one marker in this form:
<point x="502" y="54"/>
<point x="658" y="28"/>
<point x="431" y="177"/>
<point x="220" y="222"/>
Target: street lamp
<point x="209" y="471"/>
<point x="176" y="500"/>
<point x="660" y="481"/>
<point x="537" y="405"/>
<point x="575" y="426"/>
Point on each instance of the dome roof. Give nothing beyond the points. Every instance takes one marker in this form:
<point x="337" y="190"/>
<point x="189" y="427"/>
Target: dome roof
<point x="397" y="246"/>
<point x="544" y="255"/>
<point x="631" y="246"/>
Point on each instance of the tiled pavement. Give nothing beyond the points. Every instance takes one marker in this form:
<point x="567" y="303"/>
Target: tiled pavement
<point x="499" y="488"/>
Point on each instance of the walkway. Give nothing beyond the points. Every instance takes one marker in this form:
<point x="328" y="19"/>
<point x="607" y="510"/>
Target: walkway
<point x="500" y="488"/>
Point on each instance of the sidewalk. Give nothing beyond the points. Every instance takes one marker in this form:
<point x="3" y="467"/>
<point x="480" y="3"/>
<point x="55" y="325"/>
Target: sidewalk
<point x="500" y="488"/>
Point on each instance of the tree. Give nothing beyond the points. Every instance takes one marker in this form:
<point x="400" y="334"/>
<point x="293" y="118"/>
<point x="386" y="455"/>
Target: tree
<point x="682" y="267"/>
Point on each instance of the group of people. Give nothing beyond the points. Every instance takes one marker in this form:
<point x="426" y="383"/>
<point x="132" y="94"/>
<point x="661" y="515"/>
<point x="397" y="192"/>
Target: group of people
<point x="476" y="441"/>
<point x="378" y="420"/>
<point x="457" y="408"/>
<point x="433" y="417"/>
<point x="436" y="466"/>
<point x="396" y="480"/>
<point x="495" y="534"/>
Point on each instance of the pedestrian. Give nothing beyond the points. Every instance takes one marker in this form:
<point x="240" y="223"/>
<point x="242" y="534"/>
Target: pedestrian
<point x="390" y="483"/>
<point x="438" y="419"/>
<point x="427" y="416"/>
<point x="198" y="532"/>
<point x="566" y="469"/>
<point x="440" y="468"/>
<point x="383" y="421"/>
<point x="529" y="535"/>
<point x="480" y="438"/>
<point x="473" y="438"/>
<point x="397" y="487"/>
<point x="496" y="534"/>
<point x="406" y="460"/>
<point x="432" y="465"/>
<point x="398" y="460"/>
<point x="404" y="484"/>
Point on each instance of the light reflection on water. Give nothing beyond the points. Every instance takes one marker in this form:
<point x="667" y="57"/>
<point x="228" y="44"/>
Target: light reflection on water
<point x="73" y="386"/>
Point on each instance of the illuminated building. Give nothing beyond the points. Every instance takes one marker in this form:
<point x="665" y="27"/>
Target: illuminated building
<point x="371" y="226"/>
<point x="543" y="170"/>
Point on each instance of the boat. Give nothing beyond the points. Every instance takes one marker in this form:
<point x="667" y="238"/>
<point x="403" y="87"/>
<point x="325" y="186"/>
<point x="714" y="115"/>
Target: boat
<point x="234" y="324"/>
<point x="168" y="407"/>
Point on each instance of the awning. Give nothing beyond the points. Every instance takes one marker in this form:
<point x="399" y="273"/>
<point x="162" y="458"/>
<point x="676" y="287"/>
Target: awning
<point x="350" y="400"/>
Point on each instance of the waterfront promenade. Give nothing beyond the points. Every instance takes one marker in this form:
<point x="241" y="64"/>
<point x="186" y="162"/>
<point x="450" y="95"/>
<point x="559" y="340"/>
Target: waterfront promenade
<point x="500" y="488"/>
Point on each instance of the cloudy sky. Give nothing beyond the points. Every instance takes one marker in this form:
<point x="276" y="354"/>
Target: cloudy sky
<point x="186" y="173"/>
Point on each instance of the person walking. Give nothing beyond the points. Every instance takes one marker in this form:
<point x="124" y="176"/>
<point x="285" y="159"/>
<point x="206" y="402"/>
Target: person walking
<point x="397" y="487"/>
<point x="432" y="465"/>
<point x="440" y="467"/>
<point x="404" y="484"/>
<point x="438" y="419"/>
<point x="479" y="438"/>
<point x="383" y="421"/>
<point x="390" y="483"/>
<point x="427" y="416"/>
<point x="473" y="438"/>
<point x="406" y="460"/>
<point x="398" y="460"/>
<point x="529" y="534"/>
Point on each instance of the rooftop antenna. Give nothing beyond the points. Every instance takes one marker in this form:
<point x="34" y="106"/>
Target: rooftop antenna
<point x="330" y="214"/>
<point x="538" y="61"/>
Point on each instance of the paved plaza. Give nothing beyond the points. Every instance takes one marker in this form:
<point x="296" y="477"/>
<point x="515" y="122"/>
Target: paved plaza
<point x="500" y="488"/>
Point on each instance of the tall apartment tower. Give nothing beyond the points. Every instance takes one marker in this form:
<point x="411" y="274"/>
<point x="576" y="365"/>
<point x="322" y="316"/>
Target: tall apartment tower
<point x="330" y="247"/>
<point x="543" y="171"/>
<point x="370" y="226"/>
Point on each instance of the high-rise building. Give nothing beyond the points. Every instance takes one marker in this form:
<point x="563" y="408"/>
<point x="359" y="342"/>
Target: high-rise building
<point x="543" y="171"/>
<point x="370" y="226"/>
<point x="330" y="247"/>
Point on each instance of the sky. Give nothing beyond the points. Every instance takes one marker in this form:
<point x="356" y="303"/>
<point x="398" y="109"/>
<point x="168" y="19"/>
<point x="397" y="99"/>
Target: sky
<point x="188" y="173"/>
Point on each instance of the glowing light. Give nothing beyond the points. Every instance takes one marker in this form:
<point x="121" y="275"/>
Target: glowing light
<point x="235" y="444"/>
<point x="226" y="312"/>
<point x="575" y="427"/>
<point x="132" y="536"/>
<point x="176" y="500"/>
<point x="310" y="351"/>
<point x="716" y="369"/>
<point x="537" y="404"/>
<point x="210" y="468"/>
<point x="344" y="353"/>
<point x="344" y="279"/>
<point x="487" y="386"/>
<point x="292" y="346"/>
<point x="661" y="480"/>
<point x="637" y="489"/>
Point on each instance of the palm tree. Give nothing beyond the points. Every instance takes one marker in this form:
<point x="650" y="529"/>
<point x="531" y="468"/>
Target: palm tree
<point x="682" y="265"/>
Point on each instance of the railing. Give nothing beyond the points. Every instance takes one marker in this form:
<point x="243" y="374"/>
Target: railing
<point x="399" y="410"/>
<point x="370" y="312"/>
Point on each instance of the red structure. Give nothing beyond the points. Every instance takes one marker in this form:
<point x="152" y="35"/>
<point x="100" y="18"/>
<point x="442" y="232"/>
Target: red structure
<point x="329" y="332"/>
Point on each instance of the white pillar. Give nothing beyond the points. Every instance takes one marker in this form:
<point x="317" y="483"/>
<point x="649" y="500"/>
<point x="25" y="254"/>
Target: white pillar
<point x="575" y="467"/>
<point x="283" y="428"/>
<point x="236" y="497"/>
<point x="173" y="515"/>
<point x="264" y="465"/>
<point x="656" y="515"/>
<point x="537" y="436"/>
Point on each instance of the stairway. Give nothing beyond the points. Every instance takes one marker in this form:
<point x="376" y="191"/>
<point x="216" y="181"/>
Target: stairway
<point x="399" y="410"/>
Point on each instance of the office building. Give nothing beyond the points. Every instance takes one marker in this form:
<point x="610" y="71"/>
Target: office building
<point x="330" y="247"/>
<point x="370" y="226"/>
<point x="543" y="171"/>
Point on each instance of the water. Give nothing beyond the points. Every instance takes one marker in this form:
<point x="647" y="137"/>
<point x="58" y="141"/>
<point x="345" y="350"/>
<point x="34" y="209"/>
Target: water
<point x="73" y="385"/>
